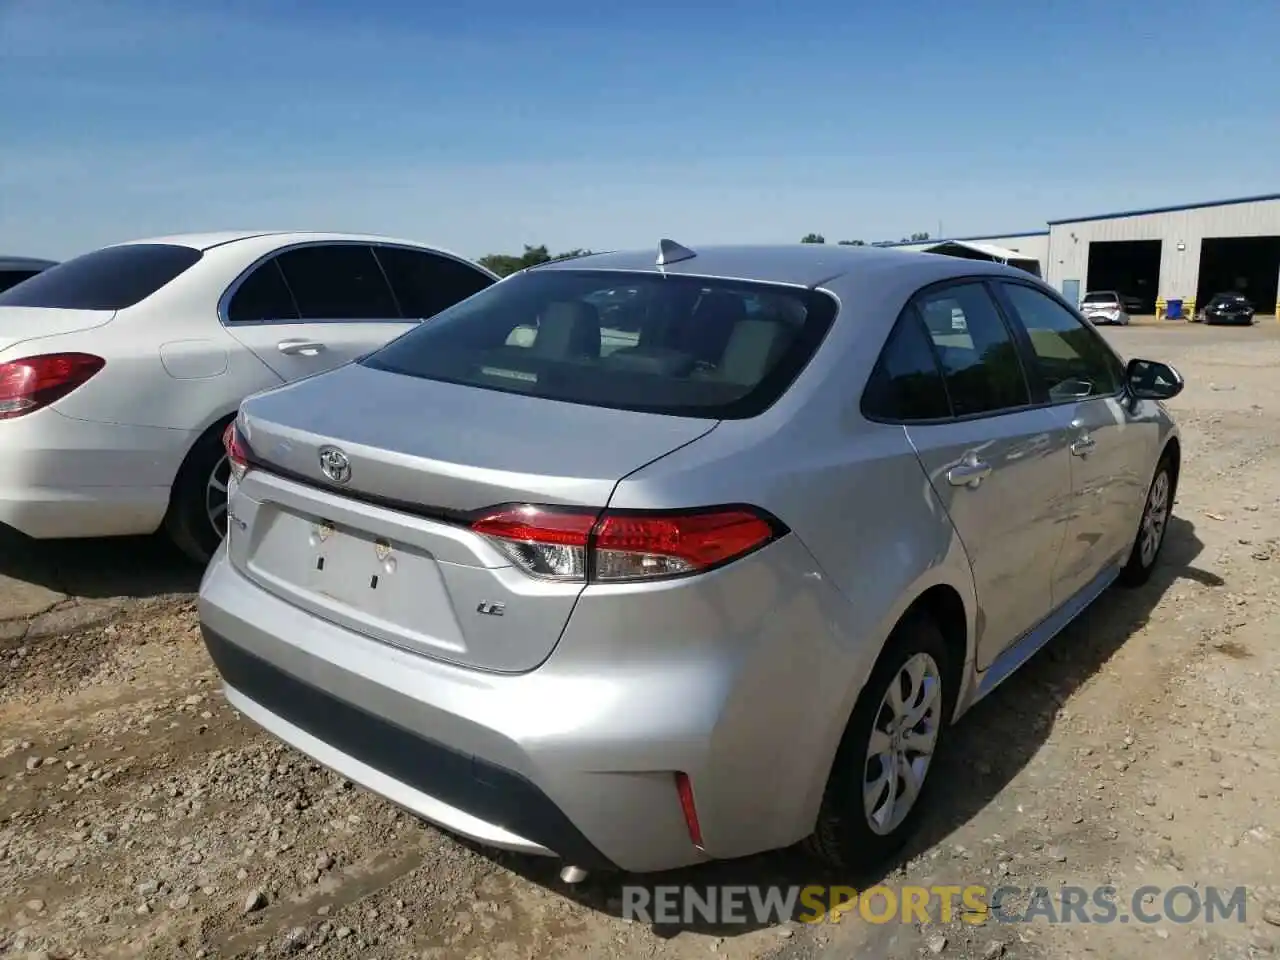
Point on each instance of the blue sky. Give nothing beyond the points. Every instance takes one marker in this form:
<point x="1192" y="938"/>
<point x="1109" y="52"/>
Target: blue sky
<point x="484" y="126"/>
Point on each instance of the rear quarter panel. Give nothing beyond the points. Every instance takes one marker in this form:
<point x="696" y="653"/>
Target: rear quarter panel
<point x="170" y="364"/>
<point x="854" y="494"/>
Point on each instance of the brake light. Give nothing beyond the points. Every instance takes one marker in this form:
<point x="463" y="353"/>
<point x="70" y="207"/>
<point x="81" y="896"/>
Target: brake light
<point x="237" y="451"/>
<point x="31" y="383"/>
<point x="624" y="545"/>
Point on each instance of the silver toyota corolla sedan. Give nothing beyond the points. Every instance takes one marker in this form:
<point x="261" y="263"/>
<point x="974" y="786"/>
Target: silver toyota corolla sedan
<point x="642" y="559"/>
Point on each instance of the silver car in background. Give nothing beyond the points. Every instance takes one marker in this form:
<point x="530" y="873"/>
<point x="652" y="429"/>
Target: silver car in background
<point x="641" y="561"/>
<point x="1105" y="307"/>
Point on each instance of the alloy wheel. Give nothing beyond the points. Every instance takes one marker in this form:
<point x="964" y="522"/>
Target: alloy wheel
<point x="903" y="737"/>
<point x="215" y="496"/>
<point x="1154" y="518"/>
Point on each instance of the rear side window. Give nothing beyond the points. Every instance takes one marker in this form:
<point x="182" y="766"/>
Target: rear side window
<point x="112" y="278"/>
<point x="682" y="346"/>
<point x="906" y="384"/>
<point x="262" y="297"/>
<point x="426" y="283"/>
<point x="978" y="355"/>
<point x="338" y="282"/>
<point x="11" y="278"/>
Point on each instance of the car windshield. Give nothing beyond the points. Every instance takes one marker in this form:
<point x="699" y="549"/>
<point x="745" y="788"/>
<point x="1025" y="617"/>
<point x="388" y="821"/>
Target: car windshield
<point x="634" y="341"/>
<point x="1225" y="298"/>
<point x="1101" y="298"/>
<point x="112" y="278"/>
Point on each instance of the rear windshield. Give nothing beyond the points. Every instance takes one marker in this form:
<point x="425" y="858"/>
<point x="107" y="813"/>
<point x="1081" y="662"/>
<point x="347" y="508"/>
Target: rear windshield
<point x="683" y="346"/>
<point x="1101" y="298"/>
<point x="112" y="278"/>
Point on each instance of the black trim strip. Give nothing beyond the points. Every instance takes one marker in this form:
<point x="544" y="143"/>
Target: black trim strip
<point x="484" y="790"/>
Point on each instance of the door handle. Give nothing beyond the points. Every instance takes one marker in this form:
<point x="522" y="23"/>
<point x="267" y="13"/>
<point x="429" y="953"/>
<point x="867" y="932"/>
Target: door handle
<point x="306" y="348"/>
<point x="968" y="474"/>
<point x="1083" y="446"/>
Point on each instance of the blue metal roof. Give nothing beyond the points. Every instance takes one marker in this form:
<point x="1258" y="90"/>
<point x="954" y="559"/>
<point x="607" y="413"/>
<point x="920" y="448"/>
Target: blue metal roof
<point x="985" y="236"/>
<point x="1173" y="209"/>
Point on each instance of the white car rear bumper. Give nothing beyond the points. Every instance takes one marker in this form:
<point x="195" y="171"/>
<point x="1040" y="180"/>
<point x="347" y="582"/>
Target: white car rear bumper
<point x="62" y="477"/>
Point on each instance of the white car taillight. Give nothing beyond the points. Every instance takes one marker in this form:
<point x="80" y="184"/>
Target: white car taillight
<point x="31" y="383"/>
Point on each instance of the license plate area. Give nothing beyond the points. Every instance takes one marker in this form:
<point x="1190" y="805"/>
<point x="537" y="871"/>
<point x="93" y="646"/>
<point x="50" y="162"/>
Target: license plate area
<point x="375" y="585"/>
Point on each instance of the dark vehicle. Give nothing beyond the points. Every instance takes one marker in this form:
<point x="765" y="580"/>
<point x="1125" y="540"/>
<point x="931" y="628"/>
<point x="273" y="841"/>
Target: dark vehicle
<point x="13" y="270"/>
<point x="1228" y="308"/>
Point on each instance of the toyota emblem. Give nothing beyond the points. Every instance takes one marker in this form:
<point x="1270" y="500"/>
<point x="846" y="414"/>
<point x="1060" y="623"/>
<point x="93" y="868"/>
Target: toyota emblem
<point x="335" y="465"/>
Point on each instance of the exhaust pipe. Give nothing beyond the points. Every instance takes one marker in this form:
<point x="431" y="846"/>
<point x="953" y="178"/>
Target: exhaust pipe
<point x="573" y="874"/>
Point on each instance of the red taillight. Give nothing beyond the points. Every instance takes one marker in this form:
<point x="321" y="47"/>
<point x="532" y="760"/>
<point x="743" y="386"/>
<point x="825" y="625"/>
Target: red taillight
<point x="685" y="790"/>
<point x="544" y="542"/>
<point x="628" y="545"/>
<point x="34" y="382"/>
<point x="237" y="451"/>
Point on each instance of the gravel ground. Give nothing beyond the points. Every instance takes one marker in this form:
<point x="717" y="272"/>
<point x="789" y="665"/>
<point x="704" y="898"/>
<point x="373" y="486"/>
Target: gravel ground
<point x="140" y="816"/>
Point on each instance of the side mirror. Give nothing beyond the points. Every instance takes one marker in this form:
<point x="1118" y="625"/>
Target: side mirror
<point x="1152" y="380"/>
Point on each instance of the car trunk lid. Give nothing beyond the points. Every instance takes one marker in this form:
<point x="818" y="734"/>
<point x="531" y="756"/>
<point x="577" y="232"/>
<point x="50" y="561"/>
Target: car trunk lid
<point x="385" y="550"/>
<point x="20" y="325"/>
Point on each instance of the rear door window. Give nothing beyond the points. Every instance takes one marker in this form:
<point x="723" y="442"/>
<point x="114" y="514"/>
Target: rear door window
<point x="338" y="282"/>
<point x="978" y="355"/>
<point x="425" y="283"/>
<point x="112" y="278"/>
<point x="636" y="341"/>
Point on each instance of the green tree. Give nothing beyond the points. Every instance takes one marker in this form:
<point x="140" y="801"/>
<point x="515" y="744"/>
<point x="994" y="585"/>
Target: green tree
<point x="813" y="238"/>
<point x="505" y="264"/>
<point x="852" y="243"/>
<point x="918" y="237"/>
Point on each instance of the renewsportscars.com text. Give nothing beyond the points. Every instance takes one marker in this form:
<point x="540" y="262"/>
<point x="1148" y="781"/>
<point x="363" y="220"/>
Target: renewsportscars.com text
<point x="974" y="904"/>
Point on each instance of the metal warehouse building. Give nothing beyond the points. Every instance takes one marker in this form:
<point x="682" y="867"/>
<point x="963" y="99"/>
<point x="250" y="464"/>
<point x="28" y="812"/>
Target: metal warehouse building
<point x="1188" y="253"/>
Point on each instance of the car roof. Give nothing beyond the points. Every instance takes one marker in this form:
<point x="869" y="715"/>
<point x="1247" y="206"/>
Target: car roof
<point x="207" y="241"/>
<point x="800" y="264"/>
<point x="26" y="263"/>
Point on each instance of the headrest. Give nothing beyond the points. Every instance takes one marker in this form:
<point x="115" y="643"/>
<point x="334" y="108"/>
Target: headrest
<point x="712" y="324"/>
<point x="752" y="350"/>
<point x="568" y="328"/>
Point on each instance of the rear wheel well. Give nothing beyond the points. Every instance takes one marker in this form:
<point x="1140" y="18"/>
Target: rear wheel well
<point x="943" y="605"/>
<point x="186" y="520"/>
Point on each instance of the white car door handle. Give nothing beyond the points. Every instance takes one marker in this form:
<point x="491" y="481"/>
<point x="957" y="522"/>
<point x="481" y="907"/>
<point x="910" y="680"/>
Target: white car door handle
<point x="305" y="348"/>
<point x="968" y="474"/>
<point x="1083" y="446"/>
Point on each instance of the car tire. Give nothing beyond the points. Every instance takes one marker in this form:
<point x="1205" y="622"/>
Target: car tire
<point x="190" y="521"/>
<point x="1157" y="509"/>
<point x="847" y="835"/>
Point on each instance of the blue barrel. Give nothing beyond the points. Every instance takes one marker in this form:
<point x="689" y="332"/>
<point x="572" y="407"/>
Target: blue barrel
<point x="1173" y="310"/>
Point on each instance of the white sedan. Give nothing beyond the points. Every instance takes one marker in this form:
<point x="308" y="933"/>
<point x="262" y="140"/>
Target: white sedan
<point x="120" y="369"/>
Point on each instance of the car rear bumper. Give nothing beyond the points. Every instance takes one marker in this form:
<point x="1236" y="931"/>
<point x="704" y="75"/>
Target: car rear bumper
<point x="1243" y="320"/>
<point x="578" y="758"/>
<point x="63" y="477"/>
<point x="430" y="779"/>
